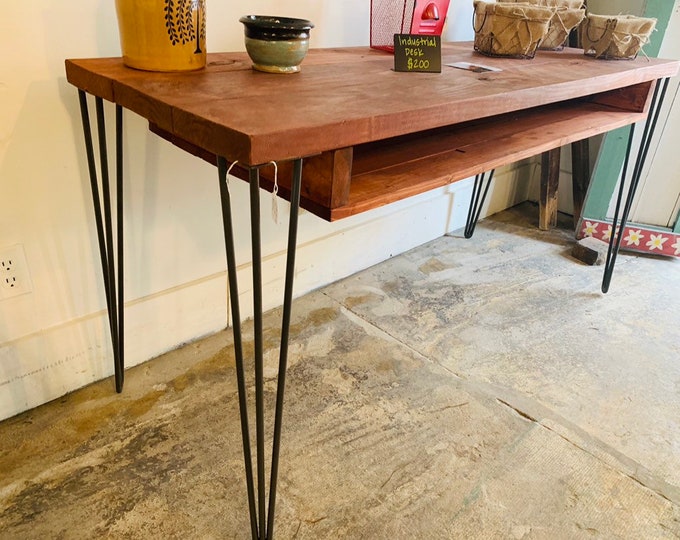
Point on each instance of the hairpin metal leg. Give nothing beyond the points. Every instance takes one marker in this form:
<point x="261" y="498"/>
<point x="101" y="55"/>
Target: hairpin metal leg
<point x="238" y="343"/>
<point x="621" y="214"/>
<point x="258" y="345"/>
<point x="120" y="359"/>
<point x="285" y="328"/>
<point x="261" y="520"/>
<point x="103" y="219"/>
<point x="477" y="202"/>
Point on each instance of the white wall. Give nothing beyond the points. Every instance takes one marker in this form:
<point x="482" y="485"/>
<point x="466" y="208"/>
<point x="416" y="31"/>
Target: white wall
<point x="55" y="338"/>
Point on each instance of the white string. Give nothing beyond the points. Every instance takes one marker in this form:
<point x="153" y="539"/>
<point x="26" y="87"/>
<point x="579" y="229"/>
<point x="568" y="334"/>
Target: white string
<point x="229" y="170"/>
<point x="275" y="204"/>
<point x="275" y="191"/>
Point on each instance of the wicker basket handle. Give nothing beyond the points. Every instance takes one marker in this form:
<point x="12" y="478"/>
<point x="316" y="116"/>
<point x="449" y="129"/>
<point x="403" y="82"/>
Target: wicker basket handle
<point x="474" y="16"/>
<point x="609" y="27"/>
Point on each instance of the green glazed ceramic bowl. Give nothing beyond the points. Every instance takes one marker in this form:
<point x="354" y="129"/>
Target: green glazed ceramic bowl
<point x="276" y="44"/>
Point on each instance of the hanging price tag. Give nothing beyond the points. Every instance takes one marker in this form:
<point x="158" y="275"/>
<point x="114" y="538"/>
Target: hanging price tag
<point x="417" y="53"/>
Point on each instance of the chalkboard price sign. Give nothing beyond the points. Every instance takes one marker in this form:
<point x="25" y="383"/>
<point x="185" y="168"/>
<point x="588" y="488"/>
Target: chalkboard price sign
<point x="417" y="53"/>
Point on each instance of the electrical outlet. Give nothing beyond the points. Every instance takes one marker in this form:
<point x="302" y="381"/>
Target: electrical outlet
<point x="14" y="276"/>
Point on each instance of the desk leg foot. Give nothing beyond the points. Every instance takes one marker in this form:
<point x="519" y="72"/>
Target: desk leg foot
<point x="261" y="518"/>
<point x="621" y="213"/>
<point x="103" y="219"/>
<point x="479" y="193"/>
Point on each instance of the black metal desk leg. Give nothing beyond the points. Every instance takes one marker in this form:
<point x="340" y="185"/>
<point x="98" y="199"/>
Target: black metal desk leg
<point x="285" y="327"/>
<point x="621" y="214"/>
<point x="258" y="338"/>
<point x="477" y="202"/>
<point x="261" y="517"/>
<point x="238" y="343"/>
<point x="103" y="219"/>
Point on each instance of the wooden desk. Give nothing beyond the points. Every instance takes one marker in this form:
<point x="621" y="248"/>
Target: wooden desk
<point x="370" y="136"/>
<point x="376" y="136"/>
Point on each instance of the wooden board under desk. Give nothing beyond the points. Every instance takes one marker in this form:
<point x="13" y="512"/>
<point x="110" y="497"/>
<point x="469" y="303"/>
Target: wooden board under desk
<point x="371" y="136"/>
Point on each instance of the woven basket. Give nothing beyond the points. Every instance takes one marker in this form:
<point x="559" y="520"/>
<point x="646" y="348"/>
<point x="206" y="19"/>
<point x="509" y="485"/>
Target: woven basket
<point x="509" y="28"/>
<point x="615" y="37"/>
<point x="567" y="16"/>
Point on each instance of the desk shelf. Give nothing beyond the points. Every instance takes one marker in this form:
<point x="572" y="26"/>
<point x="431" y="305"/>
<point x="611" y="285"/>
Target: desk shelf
<point x="391" y="170"/>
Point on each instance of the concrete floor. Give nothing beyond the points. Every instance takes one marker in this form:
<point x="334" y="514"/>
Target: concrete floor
<point x="466" y="389"/>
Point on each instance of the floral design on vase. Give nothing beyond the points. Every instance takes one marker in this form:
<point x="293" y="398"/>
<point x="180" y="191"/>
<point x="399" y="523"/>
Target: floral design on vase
<point x="185" y="21"/>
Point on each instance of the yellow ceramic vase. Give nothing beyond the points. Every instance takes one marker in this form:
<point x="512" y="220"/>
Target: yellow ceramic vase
<point x="162" y="35"/>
